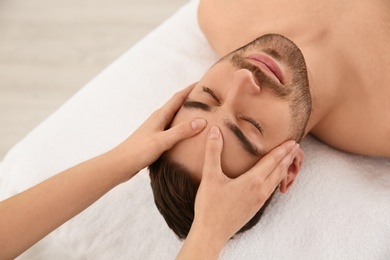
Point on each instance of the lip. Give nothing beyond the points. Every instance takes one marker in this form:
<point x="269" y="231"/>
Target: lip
<point x="268" y="65"/>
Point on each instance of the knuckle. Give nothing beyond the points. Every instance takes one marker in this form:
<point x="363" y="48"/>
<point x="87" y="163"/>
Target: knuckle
<point x="212" y="158"/>
<point x="261" y="198"/>
<point x="213" y="148"/>
<point x="258" y="183"/>
<point x="156" y="113"/>
<point x="161" y="139"/>
<point x="181" y="129"/>
<point x="160" y="115"/>
<point x="155" y="141"/>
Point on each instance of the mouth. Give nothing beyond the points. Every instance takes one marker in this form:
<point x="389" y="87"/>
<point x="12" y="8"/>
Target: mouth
<point x="267" y="65"/>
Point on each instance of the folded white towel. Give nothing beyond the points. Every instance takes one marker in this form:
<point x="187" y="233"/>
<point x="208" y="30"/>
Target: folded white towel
<point x="339" y="207"/>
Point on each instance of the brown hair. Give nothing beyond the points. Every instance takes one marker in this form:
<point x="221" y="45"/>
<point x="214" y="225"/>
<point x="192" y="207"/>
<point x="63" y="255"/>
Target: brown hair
<point x="174" y="193"/>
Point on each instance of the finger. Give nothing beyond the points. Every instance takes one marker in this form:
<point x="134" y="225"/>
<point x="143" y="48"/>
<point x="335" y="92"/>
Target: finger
<point x="269" y="162"/>
<point x="181" y="131"/>
<point x="281" y="169"/>
<point x="170" y="108"/>
<point x="214" y="144"/>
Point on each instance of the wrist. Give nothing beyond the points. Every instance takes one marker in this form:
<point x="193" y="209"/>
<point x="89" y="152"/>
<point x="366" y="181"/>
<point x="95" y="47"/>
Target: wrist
<point x="197" y="246"/>
<point x="121" y="164"/>
<point x="207" y="238"/>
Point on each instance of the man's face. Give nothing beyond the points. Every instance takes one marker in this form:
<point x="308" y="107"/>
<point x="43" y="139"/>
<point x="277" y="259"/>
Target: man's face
<point x="247" y="95"/>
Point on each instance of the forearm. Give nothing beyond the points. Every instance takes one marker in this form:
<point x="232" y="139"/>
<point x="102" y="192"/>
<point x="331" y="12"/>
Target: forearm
<point x="31" y="215"/>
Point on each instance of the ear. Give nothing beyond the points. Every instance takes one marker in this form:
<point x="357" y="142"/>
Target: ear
<point x="292" y="171"/>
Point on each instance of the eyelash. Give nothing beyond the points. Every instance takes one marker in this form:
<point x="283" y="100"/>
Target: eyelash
<point x="209" y="91"/>
<point x="250" y="120"/>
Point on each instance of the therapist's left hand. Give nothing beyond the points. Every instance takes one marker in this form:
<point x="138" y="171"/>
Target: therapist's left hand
<point x="151" y="139"/>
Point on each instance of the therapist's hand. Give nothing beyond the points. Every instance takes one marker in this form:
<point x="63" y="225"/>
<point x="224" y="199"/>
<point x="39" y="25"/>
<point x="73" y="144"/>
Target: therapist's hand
<point x="224" y="205"/>
<point x="151" y="139"/>
<point x="30" y="215"/>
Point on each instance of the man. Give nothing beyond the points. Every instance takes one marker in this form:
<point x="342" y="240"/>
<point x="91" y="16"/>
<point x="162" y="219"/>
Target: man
<point x="257" y="95"/>
<point x="345" y="46"/>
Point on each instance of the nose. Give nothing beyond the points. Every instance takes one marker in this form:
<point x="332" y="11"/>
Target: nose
<point x="243" y="84"/>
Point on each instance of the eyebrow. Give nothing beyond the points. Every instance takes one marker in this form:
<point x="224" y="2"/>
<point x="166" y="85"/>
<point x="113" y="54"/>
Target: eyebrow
<point x="244" y="140"/>
<point x="188" y="103"/>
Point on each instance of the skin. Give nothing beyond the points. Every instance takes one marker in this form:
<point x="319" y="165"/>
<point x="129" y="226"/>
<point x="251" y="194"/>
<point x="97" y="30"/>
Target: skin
<point x="237" y="199"/>
<point x="231" y="93"/>
<point x="345" y="45"/>
<point x="31" y="215"/>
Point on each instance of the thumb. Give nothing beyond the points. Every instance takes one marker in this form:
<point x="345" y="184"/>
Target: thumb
<point x="212" y="160"/>
<point x="182" y="131"/>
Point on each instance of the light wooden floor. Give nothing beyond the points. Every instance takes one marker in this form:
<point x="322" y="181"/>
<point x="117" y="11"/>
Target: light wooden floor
<point x="50" y="49"/>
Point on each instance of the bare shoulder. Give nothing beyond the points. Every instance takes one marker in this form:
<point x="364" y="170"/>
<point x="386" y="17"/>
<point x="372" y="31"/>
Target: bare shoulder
<point x="212" y="19"/>
<point x="228" y="25"/>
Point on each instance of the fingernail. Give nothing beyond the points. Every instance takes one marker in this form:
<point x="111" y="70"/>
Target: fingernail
<point x="294" y="146"/>
<point x="214" y="133"/>
<point x="198" y="123"/>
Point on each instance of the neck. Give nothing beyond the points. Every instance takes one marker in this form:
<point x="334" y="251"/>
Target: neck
<point x="325" y="71"/>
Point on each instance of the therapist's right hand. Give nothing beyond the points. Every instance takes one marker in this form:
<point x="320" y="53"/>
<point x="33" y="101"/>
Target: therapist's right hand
<point x="224" y="205"/>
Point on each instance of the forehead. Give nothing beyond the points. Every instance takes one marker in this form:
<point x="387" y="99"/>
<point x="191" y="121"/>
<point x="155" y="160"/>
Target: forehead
<point x="191" y="152"/>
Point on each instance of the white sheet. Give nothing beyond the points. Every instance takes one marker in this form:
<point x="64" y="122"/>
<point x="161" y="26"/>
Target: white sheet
<point x="339" y="207"/>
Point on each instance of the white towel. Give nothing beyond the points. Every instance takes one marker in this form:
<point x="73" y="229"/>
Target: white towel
<point x="339" y="207"/>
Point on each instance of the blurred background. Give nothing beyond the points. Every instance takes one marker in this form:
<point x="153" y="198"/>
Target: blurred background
<point x="50" y="49"/>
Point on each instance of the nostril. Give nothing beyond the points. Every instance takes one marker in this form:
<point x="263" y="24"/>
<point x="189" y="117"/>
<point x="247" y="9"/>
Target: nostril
<point x="246" y="82"/>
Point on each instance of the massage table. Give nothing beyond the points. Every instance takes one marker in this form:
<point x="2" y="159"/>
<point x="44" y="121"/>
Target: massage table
<point x="338" y="207"/>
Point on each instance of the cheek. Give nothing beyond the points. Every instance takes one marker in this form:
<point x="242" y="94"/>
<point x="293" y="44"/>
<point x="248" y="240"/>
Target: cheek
<point x="280" y="133"/>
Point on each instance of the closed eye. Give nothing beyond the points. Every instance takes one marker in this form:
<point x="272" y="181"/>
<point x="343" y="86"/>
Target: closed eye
<point x="254" y="123"/>
<point x="189" y="103"/>
<point x="209" y="91"/>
